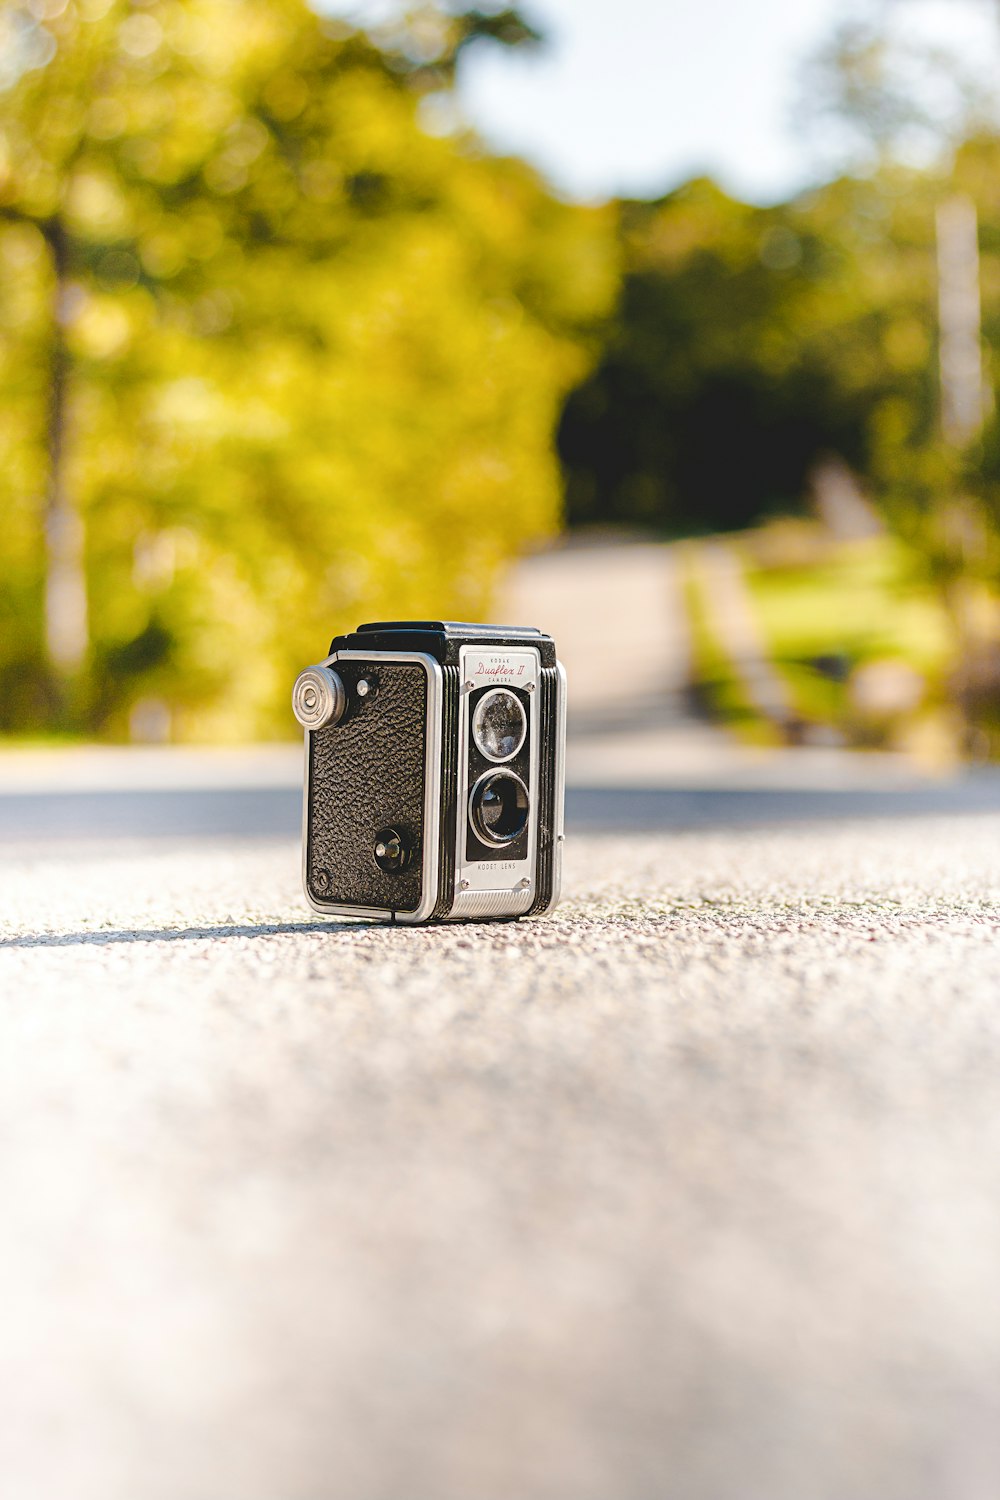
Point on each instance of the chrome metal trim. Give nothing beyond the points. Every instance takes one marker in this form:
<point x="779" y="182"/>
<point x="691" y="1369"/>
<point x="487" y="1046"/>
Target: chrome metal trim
<point x="476" y="904"/>
<point x="481" y="834"/>
<point x="499" y="760"/>
<point x="510" y="899"/>
<point x="559" y="820"/>
<point x="432" y="794"/>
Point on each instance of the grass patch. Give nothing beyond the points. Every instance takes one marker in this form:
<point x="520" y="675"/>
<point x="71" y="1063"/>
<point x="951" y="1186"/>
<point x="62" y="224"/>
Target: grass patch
<point x="852" y="603"/>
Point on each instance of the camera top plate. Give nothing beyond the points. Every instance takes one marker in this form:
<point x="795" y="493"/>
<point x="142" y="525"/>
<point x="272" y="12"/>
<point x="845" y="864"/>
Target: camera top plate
<point x="443" y="639"/>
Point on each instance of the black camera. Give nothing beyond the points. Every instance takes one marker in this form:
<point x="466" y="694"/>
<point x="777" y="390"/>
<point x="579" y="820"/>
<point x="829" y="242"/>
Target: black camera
<point x="434" y="781"/>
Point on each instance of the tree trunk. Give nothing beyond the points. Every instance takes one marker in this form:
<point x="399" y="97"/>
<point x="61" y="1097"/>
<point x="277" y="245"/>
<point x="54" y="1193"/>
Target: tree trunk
<point x="66" y="631"/>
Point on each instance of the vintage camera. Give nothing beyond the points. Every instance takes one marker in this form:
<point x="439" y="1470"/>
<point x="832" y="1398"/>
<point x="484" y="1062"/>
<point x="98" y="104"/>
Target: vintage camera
<point x="434" y="781"/>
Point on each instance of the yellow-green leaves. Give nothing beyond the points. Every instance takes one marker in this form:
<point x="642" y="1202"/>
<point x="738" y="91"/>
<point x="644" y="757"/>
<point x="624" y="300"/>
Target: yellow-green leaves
<point x="314" y="356"/>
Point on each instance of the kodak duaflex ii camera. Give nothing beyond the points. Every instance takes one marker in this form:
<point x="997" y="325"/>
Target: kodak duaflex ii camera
<point x="434" y="780"/>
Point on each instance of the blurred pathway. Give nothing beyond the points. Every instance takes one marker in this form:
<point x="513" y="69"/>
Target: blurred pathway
<point x="723" y="580"/>
<point x="617" y="613"/>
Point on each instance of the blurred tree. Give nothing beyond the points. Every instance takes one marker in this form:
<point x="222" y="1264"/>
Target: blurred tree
<point x="933" y="441"/>
<point x="897" y="99"/>
<point x="271" y="356"/>
<point x="710" y="404"/>
<point x="429" y="40"/>
<point x="873" y="94"/>
<point x="748" y="342"/>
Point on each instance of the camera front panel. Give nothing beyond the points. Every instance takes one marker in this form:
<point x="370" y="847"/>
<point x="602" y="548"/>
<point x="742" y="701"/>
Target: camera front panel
<point x="371" y="819"/>
<point x="497" y="770"/>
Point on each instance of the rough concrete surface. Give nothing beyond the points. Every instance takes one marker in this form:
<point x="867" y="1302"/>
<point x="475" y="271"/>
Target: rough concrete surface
<point x="691" y="1192"/>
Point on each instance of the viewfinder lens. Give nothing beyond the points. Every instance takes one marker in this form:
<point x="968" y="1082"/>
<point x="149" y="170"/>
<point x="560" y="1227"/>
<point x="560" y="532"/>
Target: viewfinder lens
<point x="499" y="724"/>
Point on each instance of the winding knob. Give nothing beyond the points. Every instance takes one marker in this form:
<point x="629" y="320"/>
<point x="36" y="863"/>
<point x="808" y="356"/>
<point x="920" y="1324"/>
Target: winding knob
<point x="318" y="698"/>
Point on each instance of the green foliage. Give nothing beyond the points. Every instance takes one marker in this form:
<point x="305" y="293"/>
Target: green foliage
<point x="857" y="600"/>
<point x="427" y="41"/>
<point x="711" y="401"/>
<point x="315" y="354"/>
<point x="749" y="343"/>
<point x="292" y="359"/>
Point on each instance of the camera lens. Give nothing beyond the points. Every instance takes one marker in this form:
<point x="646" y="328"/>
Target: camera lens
<point x="498" y="807"/>
<point x="499" y="724"/>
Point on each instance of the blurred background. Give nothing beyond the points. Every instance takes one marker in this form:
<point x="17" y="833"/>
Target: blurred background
<point x="669" y="332"/>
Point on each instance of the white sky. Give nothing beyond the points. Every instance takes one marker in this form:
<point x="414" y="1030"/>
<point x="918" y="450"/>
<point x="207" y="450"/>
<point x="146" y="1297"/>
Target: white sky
<point x="632" y="96"/>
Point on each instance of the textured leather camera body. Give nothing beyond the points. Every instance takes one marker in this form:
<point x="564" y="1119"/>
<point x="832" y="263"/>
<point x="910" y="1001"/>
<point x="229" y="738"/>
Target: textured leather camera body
<point x="434" y="773"/>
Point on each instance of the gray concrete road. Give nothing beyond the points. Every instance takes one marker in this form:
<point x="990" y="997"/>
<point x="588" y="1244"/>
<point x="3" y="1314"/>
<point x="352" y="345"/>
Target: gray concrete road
<point x="691" y="1192"/>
